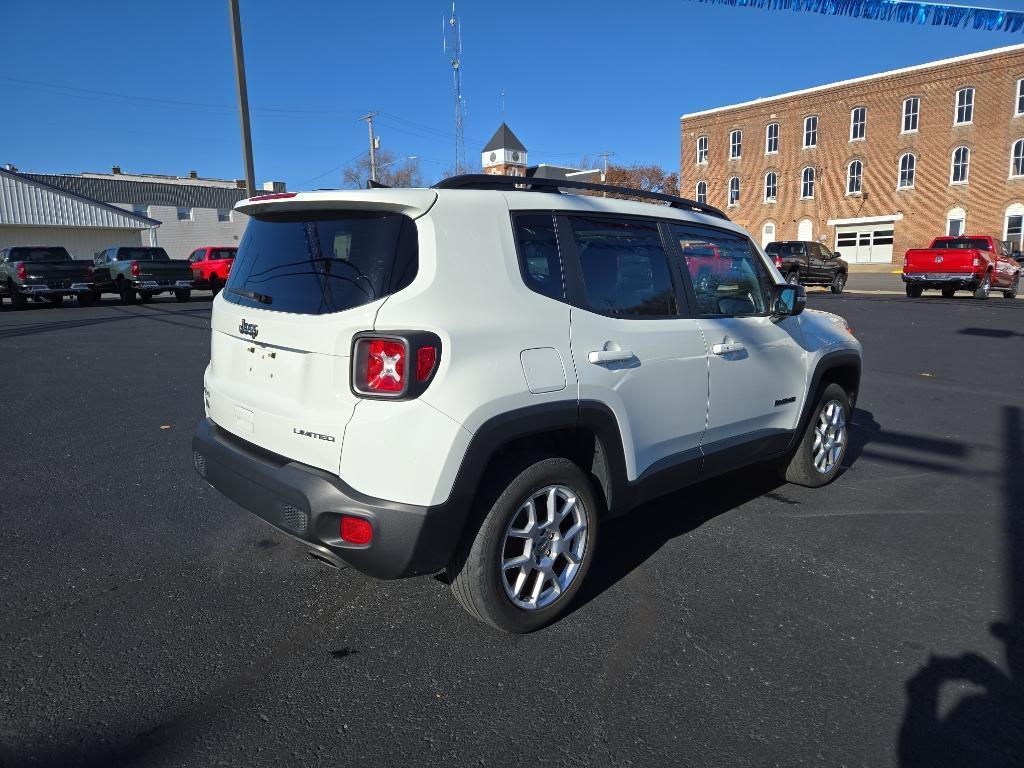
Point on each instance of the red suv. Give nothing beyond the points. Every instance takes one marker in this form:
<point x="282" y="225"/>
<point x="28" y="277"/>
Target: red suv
<point x="211" y="266"/>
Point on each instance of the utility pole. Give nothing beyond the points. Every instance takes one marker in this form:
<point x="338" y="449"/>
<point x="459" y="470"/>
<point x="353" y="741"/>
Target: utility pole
<point x="604" y="171"/>
<point x="243" y="98"/>
<point x="374" y="143"/>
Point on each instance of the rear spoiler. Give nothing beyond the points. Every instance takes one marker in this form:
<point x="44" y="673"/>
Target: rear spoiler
<point x="411" y="202"/>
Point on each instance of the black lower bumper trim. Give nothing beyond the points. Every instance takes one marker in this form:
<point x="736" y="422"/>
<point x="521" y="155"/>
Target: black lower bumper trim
<point x="307" y="503"/>
<point x="937" y="281"/>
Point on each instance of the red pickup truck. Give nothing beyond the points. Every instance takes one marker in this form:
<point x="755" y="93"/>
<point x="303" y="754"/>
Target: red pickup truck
<point x="976" y="263"/>
<point x="211" y="266"/>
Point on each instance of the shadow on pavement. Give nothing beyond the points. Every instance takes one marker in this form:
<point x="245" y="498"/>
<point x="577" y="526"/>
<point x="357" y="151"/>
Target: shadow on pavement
<point x="984" y="727"/>
<point x="990" y="333"/>
<point x="629" y="541"/>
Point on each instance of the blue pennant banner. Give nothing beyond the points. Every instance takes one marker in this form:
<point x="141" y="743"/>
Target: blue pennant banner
<point x="939" y="14"/>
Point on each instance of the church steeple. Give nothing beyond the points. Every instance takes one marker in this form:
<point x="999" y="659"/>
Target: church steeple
<point x="504" y="153"/>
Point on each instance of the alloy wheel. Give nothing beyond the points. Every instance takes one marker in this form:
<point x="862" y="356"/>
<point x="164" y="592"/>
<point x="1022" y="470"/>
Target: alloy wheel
<point x="829" y="437"/>
<point x="543" y="547"/>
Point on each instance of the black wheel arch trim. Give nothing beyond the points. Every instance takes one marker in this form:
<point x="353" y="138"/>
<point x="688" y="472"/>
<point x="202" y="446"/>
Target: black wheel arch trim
<point x="831" y="361"/>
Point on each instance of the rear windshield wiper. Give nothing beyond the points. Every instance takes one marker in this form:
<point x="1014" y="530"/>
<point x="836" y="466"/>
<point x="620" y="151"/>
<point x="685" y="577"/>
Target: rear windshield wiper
<point x="262" y="298"/>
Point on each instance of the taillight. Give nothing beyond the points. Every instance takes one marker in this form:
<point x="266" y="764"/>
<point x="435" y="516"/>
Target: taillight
<point x="88" y="271"/>
<point x="22" y="272"/>
<point x="356" y="530"/>
<point x="778" y="262"/>
<point x="976" y="262"/>
<point x="386" y="364"/>
<point x="394" y="366"/>
<point x="135" y="269"/>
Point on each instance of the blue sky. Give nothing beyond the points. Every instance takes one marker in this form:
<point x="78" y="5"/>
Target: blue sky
<point x="150" y="86"/>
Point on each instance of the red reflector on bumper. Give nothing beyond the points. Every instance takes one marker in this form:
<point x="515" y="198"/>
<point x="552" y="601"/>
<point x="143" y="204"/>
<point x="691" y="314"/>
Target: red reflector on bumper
<point x="356" y="530"/>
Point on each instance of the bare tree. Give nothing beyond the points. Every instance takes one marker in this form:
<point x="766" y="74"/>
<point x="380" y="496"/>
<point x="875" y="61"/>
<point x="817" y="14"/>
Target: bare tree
<point x="650" y="178"/>
<point x="392" y="171"/>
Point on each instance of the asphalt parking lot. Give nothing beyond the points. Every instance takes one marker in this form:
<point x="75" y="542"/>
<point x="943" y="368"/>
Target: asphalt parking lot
<point x="145" y="620"/>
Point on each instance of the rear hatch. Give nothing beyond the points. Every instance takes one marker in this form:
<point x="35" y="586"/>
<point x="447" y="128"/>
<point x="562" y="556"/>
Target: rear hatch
<point x="311" y="271"/>
<point x="53" y="267"/>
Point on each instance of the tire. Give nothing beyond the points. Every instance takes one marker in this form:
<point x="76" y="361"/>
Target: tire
<point x="793" y="277"/>
<point x="1014" y="287"/>
<point x="838" y="282"/>
<point x="128" y="294"/>
<point x="145" y="297"/>
<point x="809" y="466"/>
<point x="485" y="590"/>
<point x="183" y="295"/>
<point x="948" y="293"/>
<point x="985" y="288"/>
<point x="914" y="291"/>
<point x="215" y="285"/>
<point x="86" y="299"/>
<point x="18" y="300"/>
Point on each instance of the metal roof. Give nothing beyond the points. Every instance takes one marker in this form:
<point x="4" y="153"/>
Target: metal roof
<point x="131" y="192"/>
<point x="30" y="202"/>
<point x="503" y="138"/>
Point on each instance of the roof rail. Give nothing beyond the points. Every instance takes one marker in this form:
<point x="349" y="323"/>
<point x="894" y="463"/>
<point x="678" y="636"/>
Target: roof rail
<point x="532" y="184"/>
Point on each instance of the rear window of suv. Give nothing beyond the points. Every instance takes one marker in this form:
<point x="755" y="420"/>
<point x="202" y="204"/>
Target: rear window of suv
<point x="316" y="263"/>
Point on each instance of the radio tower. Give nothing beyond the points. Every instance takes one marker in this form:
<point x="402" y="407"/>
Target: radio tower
<point x="453" y="44"/>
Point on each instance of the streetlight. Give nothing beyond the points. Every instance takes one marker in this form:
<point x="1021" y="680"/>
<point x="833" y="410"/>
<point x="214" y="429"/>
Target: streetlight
<point x="392" y="162"/>
<point x="376" y="181"/>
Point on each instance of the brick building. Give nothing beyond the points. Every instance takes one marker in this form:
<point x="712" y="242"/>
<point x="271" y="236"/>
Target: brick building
<point x="871" y="166"/>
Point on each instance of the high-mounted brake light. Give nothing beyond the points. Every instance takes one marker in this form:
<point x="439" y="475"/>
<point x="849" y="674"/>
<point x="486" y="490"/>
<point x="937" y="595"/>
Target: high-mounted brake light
<point x="22" y="272"/>
<point x="356" y="530"/>
<point x="394" y="366"/>
<point x="274" y="196"/>
<point x="135" y="269"/>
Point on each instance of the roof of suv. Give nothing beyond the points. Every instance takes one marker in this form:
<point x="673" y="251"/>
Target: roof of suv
<point x="415" y="202"/>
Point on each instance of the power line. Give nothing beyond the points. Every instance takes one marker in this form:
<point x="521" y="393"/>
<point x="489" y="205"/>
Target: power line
<point x="332" y="170"/>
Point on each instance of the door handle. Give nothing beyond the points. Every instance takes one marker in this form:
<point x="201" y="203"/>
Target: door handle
<point x="726" y="348"/>
<point x="609" y="355"/>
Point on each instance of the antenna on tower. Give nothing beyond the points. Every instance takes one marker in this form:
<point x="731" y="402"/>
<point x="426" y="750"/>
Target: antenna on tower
<point x="453" y="44"/>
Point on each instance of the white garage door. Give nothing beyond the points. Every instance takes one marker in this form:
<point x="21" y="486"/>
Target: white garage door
<point x="865" y="244"/>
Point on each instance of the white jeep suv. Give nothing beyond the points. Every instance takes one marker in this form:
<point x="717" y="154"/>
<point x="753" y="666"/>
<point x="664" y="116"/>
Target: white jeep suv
<point x="472" y="378"/>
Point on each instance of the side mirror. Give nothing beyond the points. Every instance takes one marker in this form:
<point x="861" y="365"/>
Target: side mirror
<point x="788" y="300"/>
<point x="836" y="255"/>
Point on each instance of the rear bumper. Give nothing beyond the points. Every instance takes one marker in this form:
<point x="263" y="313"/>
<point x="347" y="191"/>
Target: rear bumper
<point x="307" y="503"/>
<point x="44" y="289"/>
<point x="158" y="286"/>
<point x="942" y="279"/>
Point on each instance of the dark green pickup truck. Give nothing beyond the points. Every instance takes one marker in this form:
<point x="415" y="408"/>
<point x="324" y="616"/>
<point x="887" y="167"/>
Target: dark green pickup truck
<point x="140" y="272"/>
<point x="43" y="272"/>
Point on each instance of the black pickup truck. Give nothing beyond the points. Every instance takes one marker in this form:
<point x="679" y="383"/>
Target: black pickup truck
<point x="141" y="272"/>
<point x="804" y="262"/>
<point x="43" y="272"/>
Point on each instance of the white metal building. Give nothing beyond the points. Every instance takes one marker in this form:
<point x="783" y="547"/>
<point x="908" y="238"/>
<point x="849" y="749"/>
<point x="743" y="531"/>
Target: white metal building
<point x="193" y="211"/>
<point x="35" y="213"/>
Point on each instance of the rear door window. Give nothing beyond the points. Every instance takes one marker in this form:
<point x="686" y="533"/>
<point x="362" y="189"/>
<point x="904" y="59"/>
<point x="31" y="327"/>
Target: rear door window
<point x="319" y="262"/>
<point x="539" y="261"/>
<point x="624" y="267"/>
